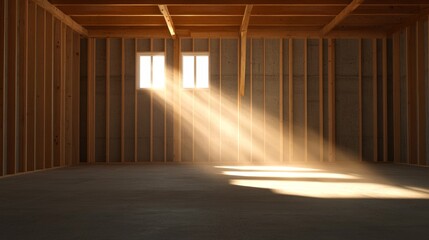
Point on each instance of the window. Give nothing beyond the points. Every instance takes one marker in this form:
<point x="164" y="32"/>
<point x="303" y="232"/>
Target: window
<point x="151" y="70"/>
<point x="195" y="70"/>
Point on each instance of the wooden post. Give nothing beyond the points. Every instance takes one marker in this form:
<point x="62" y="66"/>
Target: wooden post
<point x="412" y="99"/>
<point x="396" y="100"/>
<point x="385" y="126"/>
<point x="360" y="108"/>
<point x="321" y="139"/>
<point x="123" y="100"/>
<point x="57" y="124"/>
<point x="91" y="100"/>
<point x="176" y="105"/>
<point x="76" y="97"/>
<point x="11" y="87"/>
<point x="421" y="95"/>
<point x="107" y="101"/>
<point x="2" y="81"/>
<point x="23" y="35"/>
<point x="49" y="91"/>
<point x="306" y="100"/>
<point x="264" y="96"/>
<point x="331" y="99"/>
<point x="135" y="108"/>
<point x="374" y="100"/>
<point x="40" y="89"/>
<point x="290" y="99"/>
<point x="281" y="100"/>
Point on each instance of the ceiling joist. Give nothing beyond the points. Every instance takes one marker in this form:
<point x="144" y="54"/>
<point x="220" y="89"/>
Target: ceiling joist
<point x="168" y="20"/>
<point x="341" y="16"/>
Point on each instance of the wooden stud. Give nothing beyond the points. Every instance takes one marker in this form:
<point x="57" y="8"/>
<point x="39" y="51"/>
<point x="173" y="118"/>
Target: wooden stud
<point x="63" y="96"/>
<point x="385" y="126"/>
<point x="412" y="103"/>
<point x="135" y="108"/>
<point x="107" y="100"/>
<point x="264" y="97"/>
<point x="91" y="100"/>
<point x="239" y="96"/>
<point x="321" y="139"/>
<point x="421" y="96"/>
<point x="281" y="158"/>
<point x="40" y="89"/>
<point x="251" y="98"/>
<point x="2" y="81"/>
<point x="177" y="108"/>
<point x="68" y="96"/>
<point x="49" y="91"/>
<point x="331" y="99"/>
<point x="123" y="100"/>
<point x="151" y="109"/>
<point x="11" y="87"/>
<point x="360" y="108"/>
<point x="396" y="99"/>
<point x="306" y="100"/>
<point x="290" y="100"/>
<point x="166" y="95"/>
<point x="57" y="124"/>
<point x="220" y="99"/>
<point x="193" y="106"/>
<point x="374" y="101"/>
<point x="76" y="98"/>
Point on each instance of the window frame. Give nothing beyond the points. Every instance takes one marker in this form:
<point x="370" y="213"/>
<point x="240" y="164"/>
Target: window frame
<point x="151" y="55"/>
<point x="195" y="55"/>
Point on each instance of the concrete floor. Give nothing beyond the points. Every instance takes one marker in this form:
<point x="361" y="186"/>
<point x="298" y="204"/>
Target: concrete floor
<point x="197" y="202"/>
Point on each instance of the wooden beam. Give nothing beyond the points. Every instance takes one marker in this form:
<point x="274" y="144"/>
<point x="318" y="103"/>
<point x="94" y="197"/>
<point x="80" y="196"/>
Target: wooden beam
<point x="341" y="16"/>
<point x="61" y="16"/>
<point x="168" y="20"/>
<point x="374" y="101"/>
<point x="68" y="96"/>
<point x="243" y="41"/>
<point x="421" y="95"/>
<point x="281" y="100"/>
<point x="58" y="45"/>
<point x="331" y="100"/>
<point x="2" y="81"/>
<point x="321" y="138"/>
<point x="177" y="108"/>
<point x="234" y="2"/>
<point x="136" y="87"/>
<point x="123" y="100"/>
<point x="412" y="95"/>
<point x="385" y="106"/>
<point x="396" y="99"/>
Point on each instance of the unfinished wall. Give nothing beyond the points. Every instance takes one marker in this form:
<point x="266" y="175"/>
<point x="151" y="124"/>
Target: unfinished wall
<point x="39" y="73"/>
<point x="283" y="115"/>
<point x="410" y="87"/>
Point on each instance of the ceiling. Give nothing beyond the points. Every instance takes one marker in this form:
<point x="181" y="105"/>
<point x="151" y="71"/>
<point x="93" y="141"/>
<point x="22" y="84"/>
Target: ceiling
<point x="225" y="17"/>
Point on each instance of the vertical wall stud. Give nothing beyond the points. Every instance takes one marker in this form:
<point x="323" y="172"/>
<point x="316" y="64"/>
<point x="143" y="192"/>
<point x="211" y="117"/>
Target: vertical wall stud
<point x="290" y="62"/>
<point x="331" y="99"/>
<point x="281" y="100"/>
<point x="385" y="126"/>
<point x="91" y="100"/>
<point x="321" y="139"/>
<point x="135" y="108"/>
<point x="360" y="108"/>
<point x="49" y="81"/>
<point x="306" y="99"/>
<point x="396" y="99"/>
<point x="374" y="101"/>
<point x="421" y="95"/>
<point x="412" y="99"/>
<point x="123" y="100"/>
<point x="107" y="101"/>
<point x="176" y="104"/>
<point x="2" y="80"/>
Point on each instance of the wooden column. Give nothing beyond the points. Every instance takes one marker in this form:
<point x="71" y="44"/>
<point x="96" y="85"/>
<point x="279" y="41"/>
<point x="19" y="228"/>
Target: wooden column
<point x="49" y="91"/>
<point x="396" y="99"/>
<point x="107" y="101"/>
<point x="57" y="92"/>
<point x="122" y="100"/>
<point x="421" y="95"/>
<point x="306" y="100"/>
<point x="331" y="100"/>
<point x="321" y="139"/>
<point x="76" y="98"/>
<point x="374" y="101"/>
<point x="23" y="35"/>
<point x="385" y="121"/>
<point x="290" y="99"/>
<point x="11" y="87"/>
<point x="176" y="118"/>
<point x="360" y="108"/>
<point x="2" y="80"/>
<point x="281" y="101"/>
<point x="412" y="93"/>
<point x="40" y="88"/>
<point x="91" y="100"/>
